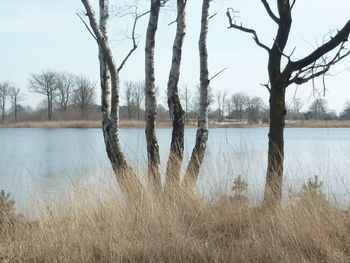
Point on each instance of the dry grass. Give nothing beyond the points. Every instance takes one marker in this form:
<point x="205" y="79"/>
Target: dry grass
<point x="97" y="228"/>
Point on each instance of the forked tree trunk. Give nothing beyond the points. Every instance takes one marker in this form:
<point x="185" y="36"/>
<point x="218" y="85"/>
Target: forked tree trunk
<point x="150" y="100"/>
<point x="109" y="77"/>
<point x="198" y="152"/>
<point x="175" y="108"/>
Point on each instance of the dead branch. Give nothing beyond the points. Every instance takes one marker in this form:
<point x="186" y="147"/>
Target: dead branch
<point x="244" y="29"/>
<point x="217" y="74"/>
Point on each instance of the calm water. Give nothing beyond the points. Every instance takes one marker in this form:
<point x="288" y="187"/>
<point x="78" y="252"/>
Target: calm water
<point x="45" y="160"/>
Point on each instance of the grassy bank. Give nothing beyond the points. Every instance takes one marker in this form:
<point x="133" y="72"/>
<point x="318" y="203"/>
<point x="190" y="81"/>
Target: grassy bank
<point x="96" y="228"/>
<point x="212" y="124"/>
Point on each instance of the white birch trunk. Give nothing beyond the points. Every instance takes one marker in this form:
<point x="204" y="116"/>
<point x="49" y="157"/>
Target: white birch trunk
<point x="197" y="156"/>
<point x="175" y="108"/>
<point x="109" y="74"/>
<point x="150" y="100"/>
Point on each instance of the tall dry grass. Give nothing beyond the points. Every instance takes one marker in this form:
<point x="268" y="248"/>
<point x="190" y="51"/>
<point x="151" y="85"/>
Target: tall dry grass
<point x="94" y="226"/>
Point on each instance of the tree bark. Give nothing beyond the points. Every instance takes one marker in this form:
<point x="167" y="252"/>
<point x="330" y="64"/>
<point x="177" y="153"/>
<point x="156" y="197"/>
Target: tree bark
<point x="109" y="80"/>
<point x="198" y="152"/>
<point x="274" y="174"/>
<point x="150" y="100"/>
<point x="177" y="113"/>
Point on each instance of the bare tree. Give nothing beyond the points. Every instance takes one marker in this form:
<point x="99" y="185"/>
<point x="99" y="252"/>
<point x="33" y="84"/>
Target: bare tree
<point x="65" y="83"/>
<point x="185" y="97"/>
<point x="220" y="100"/>
<point x="239" y="102"/>
<point x="129" y="90"/>
<point x="281" y="75"/>
<point x="139" y="95"/>
<point x="84" y="94"/>
<point x="150" y="99"/>
<point x="109" y="79"/>
<point x="255" y="106"/>
<point x="45" y="83"/>
<point x="177" y="114"/>
<point x="318" y="109"/>
<point x="16" y="97"/>
<point x="197" y="155"/>
<point x="4" y="92"/>
<point x="228" y="105"/>
<point x="297" y="105"/>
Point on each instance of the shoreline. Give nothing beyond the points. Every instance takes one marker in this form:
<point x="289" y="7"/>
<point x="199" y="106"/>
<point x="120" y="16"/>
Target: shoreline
<point x="141" y="124"/>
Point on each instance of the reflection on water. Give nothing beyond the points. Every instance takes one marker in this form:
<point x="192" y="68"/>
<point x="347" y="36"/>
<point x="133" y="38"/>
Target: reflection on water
<point x="44" y="160"/>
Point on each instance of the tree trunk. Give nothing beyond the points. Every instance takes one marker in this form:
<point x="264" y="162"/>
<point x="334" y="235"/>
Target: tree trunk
<point x="274" y="176"/>
<point x="109" y="77"/>
<point x="197" y="156"/>
<point x="150" y="100"/>
<point x="175" y="108"/>
<point x="15" y="108"/>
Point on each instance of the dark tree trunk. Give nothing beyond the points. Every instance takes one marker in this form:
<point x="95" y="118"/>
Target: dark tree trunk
<point x="274" y="176"/>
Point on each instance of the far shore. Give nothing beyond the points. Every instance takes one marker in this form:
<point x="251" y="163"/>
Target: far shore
<point x="212" y="124"/>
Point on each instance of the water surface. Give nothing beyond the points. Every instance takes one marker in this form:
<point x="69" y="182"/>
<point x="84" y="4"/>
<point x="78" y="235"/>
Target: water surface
<point x="44" y="160"/>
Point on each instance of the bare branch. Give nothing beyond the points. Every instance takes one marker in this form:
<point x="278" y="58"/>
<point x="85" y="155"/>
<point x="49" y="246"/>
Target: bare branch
<point x="339" y="38"/>
<point x="133" y="38"/>
<point x="267" y="86"/>
<point x="217" y="74"/>
<point x="87" y="27"/>
<point x="183" y="8"/>
<point x="315" y="70"/>
<point x="244" y="29"/>
<point x="292" y="5"/>
<point x="269" y="11"/>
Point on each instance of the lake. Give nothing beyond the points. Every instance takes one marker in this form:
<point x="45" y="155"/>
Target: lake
<point x="43" y="161"/>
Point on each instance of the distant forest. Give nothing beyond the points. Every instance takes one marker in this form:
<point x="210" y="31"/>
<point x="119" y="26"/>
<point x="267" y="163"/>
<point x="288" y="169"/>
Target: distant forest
<point x="67" y="96"/>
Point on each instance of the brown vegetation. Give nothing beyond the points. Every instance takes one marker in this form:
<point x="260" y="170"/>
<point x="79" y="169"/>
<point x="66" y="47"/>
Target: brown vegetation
<point x="101" y="229"/>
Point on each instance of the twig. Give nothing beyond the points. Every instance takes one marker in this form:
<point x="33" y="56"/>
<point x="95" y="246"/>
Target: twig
<point x="87" y="27"/>
<point x="217" y="74"/>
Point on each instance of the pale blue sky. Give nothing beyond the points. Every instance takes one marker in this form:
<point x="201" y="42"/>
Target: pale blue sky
<point x="42" y="34"/>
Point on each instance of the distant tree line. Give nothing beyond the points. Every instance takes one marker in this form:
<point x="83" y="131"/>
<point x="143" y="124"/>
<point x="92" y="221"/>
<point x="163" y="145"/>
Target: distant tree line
<point x="72" y="97"/>
<point x="67" y="95"/>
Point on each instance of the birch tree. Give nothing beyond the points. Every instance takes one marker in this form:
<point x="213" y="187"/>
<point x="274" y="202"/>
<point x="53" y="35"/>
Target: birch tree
<point x="45" y="83"/>
<point x="110" y="91"/>
<point x="284" y="71"/>
<point x="197" y="155"/>
<point x="150" y="99"/>
<point x="177" y="114"/>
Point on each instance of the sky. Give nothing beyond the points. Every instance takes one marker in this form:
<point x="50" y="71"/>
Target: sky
<point x="47" y="34"/>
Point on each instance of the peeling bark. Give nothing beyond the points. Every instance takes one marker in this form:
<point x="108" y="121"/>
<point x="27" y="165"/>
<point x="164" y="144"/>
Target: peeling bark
<point x="198" y="152"/>
<point x="150" y="100"/>
<point x="177" y="113"/>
